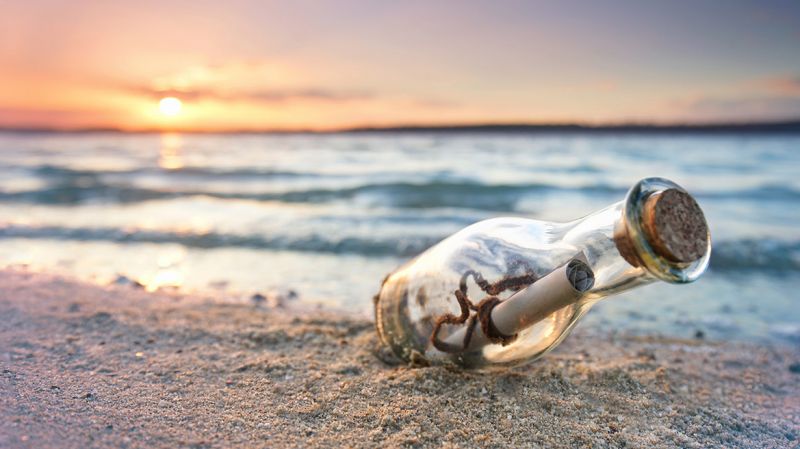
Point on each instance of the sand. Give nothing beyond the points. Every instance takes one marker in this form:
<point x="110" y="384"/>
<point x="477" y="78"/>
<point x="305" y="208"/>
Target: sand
<point x="89" y="366"/>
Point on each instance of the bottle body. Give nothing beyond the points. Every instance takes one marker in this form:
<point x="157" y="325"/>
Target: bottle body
<point x="499" y="258"/>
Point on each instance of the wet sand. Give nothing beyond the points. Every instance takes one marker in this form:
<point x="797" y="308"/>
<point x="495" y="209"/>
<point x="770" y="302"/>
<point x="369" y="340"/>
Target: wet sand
<point x="88" y="366"/>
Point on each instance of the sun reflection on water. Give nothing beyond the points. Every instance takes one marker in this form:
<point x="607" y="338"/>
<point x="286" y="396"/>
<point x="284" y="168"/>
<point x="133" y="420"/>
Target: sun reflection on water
<point x="170" y="272"/>
<point x="169" y="156"/>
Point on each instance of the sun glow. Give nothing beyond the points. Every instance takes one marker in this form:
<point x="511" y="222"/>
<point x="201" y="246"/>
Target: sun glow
<point x="170" y="106"/>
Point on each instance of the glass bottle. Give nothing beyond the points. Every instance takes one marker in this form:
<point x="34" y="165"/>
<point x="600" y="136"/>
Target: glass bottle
<point x="507" y="290"/>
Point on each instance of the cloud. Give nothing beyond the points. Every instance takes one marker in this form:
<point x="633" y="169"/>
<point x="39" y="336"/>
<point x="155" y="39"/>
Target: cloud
<point x="434" y="103"/>
<point x="316" y="94"/>
<point x="266" y="82"/>
<point x="54" y="118"/>
<point x="781" y="85"/>
<point x="254" y="81"/>
<point x="266" y="96"/>
<point x="743" y="108"/>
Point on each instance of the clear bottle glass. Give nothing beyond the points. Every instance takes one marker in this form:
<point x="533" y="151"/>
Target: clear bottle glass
<point x="656" y="233"/>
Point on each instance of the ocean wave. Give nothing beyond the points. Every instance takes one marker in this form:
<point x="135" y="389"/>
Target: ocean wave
<point x="432" y="194"/>
<point x="770" y="255"/>
<point x="67" y="186"/>
<point x="51" y="171"/>
<point x="307" y="243"/>
<point x="761" y="255"/>
<point x="244" y="173"/>
<point x="761" y="193"/>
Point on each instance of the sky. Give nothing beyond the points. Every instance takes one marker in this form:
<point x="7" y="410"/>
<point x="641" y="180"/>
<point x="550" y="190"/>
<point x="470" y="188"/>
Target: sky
<point x="328" y="64"/>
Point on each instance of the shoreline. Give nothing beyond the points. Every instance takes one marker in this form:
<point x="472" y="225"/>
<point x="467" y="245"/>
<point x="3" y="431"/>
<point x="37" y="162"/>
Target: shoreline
<point x="115" y="366"/>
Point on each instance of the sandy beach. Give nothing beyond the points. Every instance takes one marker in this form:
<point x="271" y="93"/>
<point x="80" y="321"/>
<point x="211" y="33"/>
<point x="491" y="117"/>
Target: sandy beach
<point x="90" y="366"/>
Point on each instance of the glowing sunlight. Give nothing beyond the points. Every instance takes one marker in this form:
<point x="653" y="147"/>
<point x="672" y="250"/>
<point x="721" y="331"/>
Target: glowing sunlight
<point x="170" y="106"/>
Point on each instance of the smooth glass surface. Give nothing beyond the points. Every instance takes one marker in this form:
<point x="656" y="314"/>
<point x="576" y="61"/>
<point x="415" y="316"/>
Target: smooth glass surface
<point x="422" y="290"/>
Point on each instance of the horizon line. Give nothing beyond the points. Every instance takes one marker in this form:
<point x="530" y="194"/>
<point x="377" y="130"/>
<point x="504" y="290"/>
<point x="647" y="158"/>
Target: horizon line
<point x="776" y="126"/>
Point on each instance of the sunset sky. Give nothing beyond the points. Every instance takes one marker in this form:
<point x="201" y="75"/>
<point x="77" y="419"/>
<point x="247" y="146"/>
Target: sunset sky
<point x="239" y="65"/>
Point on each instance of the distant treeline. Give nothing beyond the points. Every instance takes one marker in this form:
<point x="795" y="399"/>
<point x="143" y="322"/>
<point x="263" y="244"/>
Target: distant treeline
<point x="772" y="127"/>
<point x="784" y="127"/>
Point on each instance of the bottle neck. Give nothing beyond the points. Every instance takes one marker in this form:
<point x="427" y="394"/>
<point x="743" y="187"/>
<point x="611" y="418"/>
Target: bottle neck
<point x="657" y="233"/>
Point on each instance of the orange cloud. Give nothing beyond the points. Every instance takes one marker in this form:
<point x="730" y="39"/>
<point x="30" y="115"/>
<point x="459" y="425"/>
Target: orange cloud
<point x="269" y="96"/>
<point x="747" y="108"/>
<point x="784" y="85"/>
<point x="258" y="82"/>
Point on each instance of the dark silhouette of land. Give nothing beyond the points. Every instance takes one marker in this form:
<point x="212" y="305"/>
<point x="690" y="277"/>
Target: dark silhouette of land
<point x="777" y="127"/>
<point x="771" y="127"/>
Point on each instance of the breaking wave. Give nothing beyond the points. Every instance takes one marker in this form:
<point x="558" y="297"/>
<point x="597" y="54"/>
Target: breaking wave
<point x="764" y="255"/>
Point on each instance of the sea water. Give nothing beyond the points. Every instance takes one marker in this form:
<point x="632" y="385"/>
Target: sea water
<point x="326" y="216"/>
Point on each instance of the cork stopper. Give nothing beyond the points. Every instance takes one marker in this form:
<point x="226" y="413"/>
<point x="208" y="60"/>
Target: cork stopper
<point x="675" y="226"/>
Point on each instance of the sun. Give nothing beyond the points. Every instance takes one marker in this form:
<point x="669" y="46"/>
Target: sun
<point x="170" y="106"/>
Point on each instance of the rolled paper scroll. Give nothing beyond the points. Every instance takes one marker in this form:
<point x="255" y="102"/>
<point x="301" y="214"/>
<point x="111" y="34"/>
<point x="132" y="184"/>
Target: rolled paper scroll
<point x="561" y="287"/>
